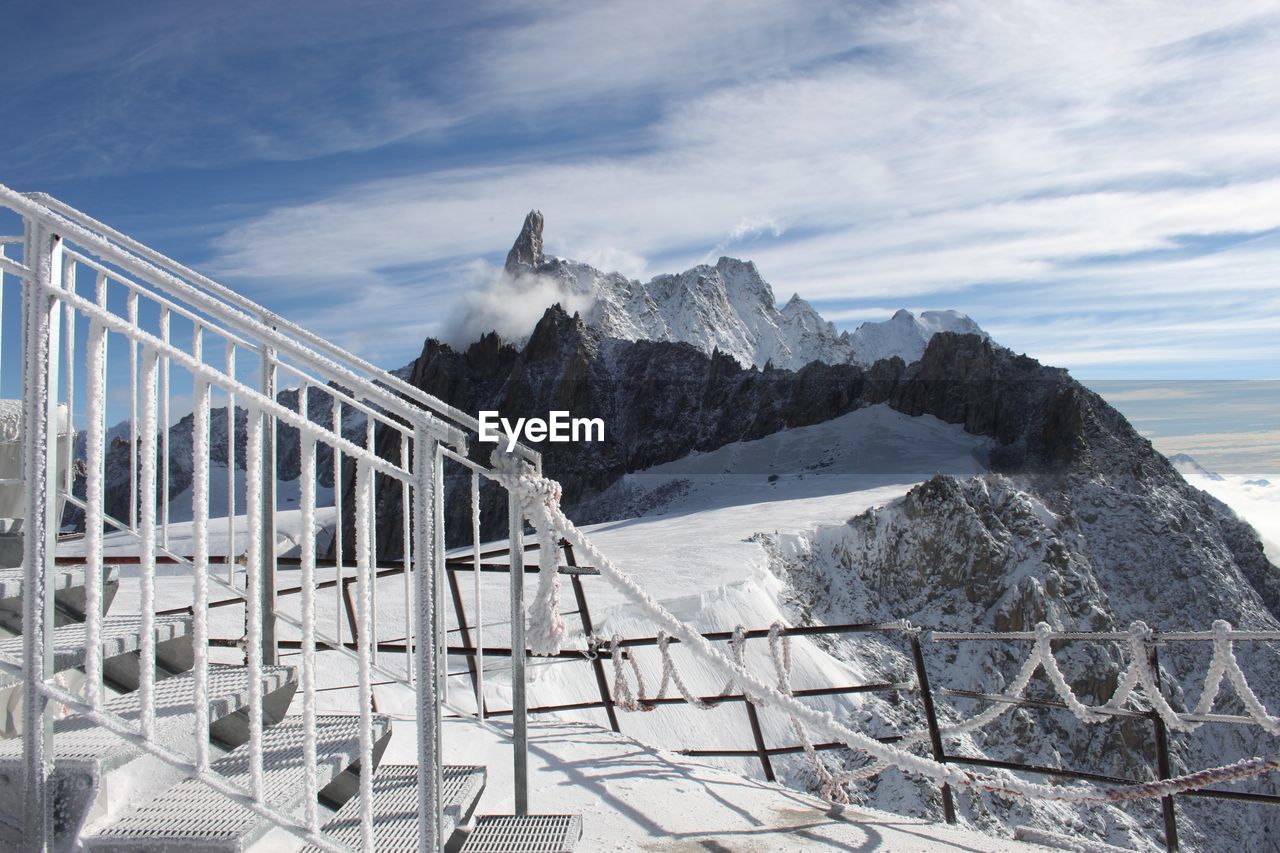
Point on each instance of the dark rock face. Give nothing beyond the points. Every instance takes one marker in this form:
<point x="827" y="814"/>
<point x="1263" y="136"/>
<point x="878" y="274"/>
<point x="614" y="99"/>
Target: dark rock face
<point x="659" y="401"/>
<point x="118" y="474"/>
<point x="526" y="254"/>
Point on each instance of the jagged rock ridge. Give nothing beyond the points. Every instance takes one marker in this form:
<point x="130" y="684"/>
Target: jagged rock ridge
<point x="726" y="306"/>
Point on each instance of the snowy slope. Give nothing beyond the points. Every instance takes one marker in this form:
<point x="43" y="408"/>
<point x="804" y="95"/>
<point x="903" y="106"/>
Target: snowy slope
<point x="731" y="546"/>
<point x="727" y="306"/>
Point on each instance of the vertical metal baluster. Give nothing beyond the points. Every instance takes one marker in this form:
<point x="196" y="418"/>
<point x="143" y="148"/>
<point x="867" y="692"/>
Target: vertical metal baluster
<point x="335" y="457"/>
<point x="69" y="346"/>
<point x="231" y="465"/>
<point x="131" y="312"/>
<point x="164" y="431"/>
<point x="406" y="550"/>
<point x="367" y="641"/>
<point x="253" y="607"/>
<point x="42" y="253"/>
<point x="519" y="699"/>
<point x="3" y="291"/>
<point x="95" y="496"/>
<point x="425" y="594"/>
<point x="442" y="666"/>
<point x="370" y="445"/>
<point x="267" y="531"/>
<point x="308" y="544"/>
<point x="147" y="530"/>
<point x="200" y="579"/>
<point x="475" y="561"/>
<point x="95" y="445"/>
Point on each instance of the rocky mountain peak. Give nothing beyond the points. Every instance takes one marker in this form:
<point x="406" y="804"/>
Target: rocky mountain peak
<point x="727" y="306"/>
<point x="526" y="254"/>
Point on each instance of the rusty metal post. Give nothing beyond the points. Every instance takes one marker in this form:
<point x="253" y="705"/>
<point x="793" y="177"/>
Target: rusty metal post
<point x="931" y="717"/>
<point x="464" y="630"/>
<point x="1162" y="759"/>
<point x="588" y="631"/>
<point x="758" y="736"/>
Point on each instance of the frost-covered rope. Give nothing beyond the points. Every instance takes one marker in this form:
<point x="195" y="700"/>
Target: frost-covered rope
<point x="623" y="696"/>
<point x="672" y="675"/>
<point x="831" y="784"/>
<point x="546" y="629"/>
<point x="738" y="649"/>
<point x="546" y="513"/>
<point x="1049" y="664"/>
<point x="1138" y="674"/>
<point x="1223" y="647"/>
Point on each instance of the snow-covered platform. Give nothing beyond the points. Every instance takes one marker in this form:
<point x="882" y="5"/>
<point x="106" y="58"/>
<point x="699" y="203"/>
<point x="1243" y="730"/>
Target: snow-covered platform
<point x="635" y="797"/>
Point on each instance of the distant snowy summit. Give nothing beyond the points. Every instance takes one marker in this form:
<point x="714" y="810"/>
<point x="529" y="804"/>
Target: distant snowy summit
<point x="1186" y="465"/>
<point x="727" y="306"/>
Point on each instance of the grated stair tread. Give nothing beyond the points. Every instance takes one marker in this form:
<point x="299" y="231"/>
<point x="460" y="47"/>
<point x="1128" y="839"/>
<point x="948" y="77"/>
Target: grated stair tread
<point x="535" y="833"/>
<point x="395" y="806"/>
<point x="120" y="635"/>
<point x="78" y="740"/>
<point x="64" y="577"/>
<point x="193" y="817"/>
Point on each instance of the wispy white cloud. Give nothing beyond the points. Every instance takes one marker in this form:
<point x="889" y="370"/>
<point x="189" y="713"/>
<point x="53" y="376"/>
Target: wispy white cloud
<point x="1030" y="160"/>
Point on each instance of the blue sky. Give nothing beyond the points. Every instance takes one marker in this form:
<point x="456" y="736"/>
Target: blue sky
<point x="1096" y="183"/>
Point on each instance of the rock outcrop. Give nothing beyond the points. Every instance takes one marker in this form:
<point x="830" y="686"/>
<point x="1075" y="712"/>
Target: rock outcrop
<point x="526" y="255"/>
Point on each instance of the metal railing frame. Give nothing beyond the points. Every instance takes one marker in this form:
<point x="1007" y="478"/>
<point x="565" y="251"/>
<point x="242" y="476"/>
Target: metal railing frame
<point x="57" y="242"/>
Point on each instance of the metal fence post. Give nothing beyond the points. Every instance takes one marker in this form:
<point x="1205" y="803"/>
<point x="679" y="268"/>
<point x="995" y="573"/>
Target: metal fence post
<point x="42" y="253"/>
<point x="588" y="631"/>
<point x="268" y="568"/>
<point x="1162" y="758"/>
<point x="519" y="698"/>
<point x="758" y="736"/>
<point x="931" y="717"/>
<point x="426" y="650"/>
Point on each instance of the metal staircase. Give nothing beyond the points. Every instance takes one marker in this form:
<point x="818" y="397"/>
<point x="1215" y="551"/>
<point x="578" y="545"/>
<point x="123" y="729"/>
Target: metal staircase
<point x="125" y="734"/>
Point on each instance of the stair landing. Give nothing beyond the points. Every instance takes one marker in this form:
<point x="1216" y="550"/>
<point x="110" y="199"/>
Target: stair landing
<point x="632" y="796"/>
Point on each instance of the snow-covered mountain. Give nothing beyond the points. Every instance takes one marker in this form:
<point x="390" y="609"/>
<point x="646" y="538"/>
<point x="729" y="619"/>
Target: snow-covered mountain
<point x="727" y="306"/>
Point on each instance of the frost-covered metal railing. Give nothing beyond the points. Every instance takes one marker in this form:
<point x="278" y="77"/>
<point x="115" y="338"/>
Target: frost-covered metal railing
<point x="540" y="504"/>
<point x="102" y="313"/>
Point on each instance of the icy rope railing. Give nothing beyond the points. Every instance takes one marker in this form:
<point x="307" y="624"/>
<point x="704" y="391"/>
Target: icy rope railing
<point x="1137" y="674"/>
<point x="539" y="498"/>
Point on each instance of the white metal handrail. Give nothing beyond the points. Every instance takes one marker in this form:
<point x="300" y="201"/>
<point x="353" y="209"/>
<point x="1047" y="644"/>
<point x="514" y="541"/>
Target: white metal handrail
<point x="300" y="336"/>
<point x="234" y="310"/>
<point x="167" y="320"/>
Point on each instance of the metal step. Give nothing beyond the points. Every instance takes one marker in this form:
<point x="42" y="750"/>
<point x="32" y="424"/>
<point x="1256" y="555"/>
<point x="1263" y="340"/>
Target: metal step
<point x="97" y="773"/>
<point x="194" y="818"/>
<point x="395" y="808"/>
<point x="535" y="833"/>
<point x="68" y="595"/>
<point x="120" y="636"/>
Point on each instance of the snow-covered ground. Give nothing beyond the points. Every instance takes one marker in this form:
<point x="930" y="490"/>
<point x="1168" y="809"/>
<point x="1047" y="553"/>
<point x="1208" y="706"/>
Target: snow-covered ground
<point x="635" y="797"/>
<point x="700" y="554"/>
